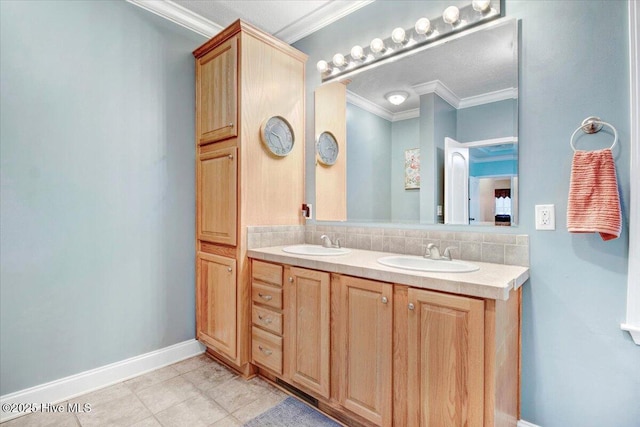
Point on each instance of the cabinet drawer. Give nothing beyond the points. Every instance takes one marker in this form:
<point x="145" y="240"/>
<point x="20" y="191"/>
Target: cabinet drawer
<point x="266" y="350"/>
<point x="267" y="319"/>
<point x="267" y="295"/>
<point x="265" y="272"/>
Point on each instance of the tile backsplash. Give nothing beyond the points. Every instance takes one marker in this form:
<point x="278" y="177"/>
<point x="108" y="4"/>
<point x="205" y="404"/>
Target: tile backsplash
<point x="510" y="249"/>
<point x="274" y="235"/>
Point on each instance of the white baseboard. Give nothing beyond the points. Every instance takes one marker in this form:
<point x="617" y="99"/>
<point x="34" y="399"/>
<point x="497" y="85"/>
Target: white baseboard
<point x="523" y="423"/>
<point x="75" y="385"/>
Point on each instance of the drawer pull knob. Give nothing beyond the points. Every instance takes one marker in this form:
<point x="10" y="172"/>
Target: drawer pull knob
<point x="230" y="124"/>
<point x="265" y="297"/>
<point x="411" y="306"/>
<point x="229" y="269"/>
<point x="385" y="300"/>
<point x="290" y="279"/>
<point x="230" y="156"/>
<point x="265" y="350"/>
<point x="266" y="320"/>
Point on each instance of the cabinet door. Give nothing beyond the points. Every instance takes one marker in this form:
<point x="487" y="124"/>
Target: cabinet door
<point x="365" y="332"/>
<point x="217" y="93"/>
<point x="446" y="360"/>
<point x="216" y="302"/>
<point x="217" y="196"/>
<point x="307" y="316"/>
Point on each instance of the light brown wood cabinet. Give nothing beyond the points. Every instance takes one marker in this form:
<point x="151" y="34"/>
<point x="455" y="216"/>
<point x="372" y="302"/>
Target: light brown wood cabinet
<point x="364" y="323"/>
<point x="307" y="318"/>
<point x="331" y="181"/>
<point x="397" y="355"/>
<point x="243" y="77"/>
<point x="217" y="92"/>
<point x="216" y="301"/>
<point x="266" y="316"/>
<point x="217" y="186"/>
<point x="445" y="360"/>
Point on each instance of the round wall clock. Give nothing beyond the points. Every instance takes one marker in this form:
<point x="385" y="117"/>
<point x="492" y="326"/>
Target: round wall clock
<point x="327" y="148"/>
<point x="277" y="135"/>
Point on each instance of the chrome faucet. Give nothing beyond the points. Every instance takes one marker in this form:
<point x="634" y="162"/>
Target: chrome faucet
<point x="433" y="252"/>
<point x="326" y="242"/>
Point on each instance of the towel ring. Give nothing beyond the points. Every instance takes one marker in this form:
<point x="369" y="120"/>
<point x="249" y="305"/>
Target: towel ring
<point x="593" y="125"/>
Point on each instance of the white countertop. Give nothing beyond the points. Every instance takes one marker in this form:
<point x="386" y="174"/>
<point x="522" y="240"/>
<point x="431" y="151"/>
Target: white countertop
<point x="493" y="281"/>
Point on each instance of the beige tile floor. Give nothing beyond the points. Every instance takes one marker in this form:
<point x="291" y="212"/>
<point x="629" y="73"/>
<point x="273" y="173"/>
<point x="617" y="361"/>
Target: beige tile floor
<point x="195" y="392"/>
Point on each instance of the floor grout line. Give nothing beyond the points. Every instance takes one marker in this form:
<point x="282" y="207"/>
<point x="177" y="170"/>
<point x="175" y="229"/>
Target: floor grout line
<point x="253" y="396"/>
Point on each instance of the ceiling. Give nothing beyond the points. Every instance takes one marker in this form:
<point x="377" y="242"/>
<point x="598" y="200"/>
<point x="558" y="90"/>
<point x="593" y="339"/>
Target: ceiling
<point x="288" y="20"/>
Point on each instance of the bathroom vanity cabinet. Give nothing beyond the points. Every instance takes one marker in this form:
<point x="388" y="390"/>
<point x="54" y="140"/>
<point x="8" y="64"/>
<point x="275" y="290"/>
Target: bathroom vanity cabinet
<point x="445" y="359"/>
<point x="307" y="325"/>
<point x="363" y="337"/>
<point x="395" y="354"/>
<point x="243" y="77"/>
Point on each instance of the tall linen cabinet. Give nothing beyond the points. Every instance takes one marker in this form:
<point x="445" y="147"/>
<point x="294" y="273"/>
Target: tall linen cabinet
<point x="243" y="77"/>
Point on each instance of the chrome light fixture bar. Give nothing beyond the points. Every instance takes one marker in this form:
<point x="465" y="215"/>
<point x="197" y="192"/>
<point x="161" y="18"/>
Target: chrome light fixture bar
<point x="425" y="31"/>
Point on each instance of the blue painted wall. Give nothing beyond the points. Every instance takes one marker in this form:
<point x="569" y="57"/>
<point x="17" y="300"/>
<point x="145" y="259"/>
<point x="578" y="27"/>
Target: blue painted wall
<point x="369" y="171"/>
<point x="97" y="187"/>
<point x="405" y="204"/>
<point x="578" y="367"/>
<point x="375" y="172"/>
<point x="487" y="121"/>
<point x="501" y="167"/>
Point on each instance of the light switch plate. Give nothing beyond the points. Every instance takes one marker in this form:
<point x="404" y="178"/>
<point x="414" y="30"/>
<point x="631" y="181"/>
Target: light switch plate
<point x="545" y="217"/>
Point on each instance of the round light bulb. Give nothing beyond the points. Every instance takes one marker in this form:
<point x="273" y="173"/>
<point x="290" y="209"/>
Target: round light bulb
<point x="357" y="52"/>
<point x="423" y="25"/>
<point x="338" y="60"/>
<point x="377" y="45"/>
<point x="397" y="35"/>
<point x="451" y="15"/>
<point x="322" y="66"/>
<point x="481" y="5"/>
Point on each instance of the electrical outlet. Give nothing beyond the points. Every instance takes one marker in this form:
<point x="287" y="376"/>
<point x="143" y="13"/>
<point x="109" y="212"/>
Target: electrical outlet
<point x="545" y="217"/>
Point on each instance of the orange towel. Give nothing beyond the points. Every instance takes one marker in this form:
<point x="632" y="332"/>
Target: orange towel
<point x="594" y="204"/>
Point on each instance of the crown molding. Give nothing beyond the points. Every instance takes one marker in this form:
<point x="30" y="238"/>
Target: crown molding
<point x="440" y="89"/>
<point x="369" y="106"/>
<point x="379" y="111"/>
<point x="486" y="98"/>
<point x="318" y="19"/>
<point x="180" y="15"/>
<point x="405" y="115"/>
<point x="312" y="22"/>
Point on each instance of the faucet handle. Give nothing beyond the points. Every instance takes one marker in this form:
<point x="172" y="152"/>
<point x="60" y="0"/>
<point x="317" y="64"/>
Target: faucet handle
<point x="427" y="250"/>
<point x="326" y="241"/>
<point x="337" y="244"/>
<point x="447" y="252"/>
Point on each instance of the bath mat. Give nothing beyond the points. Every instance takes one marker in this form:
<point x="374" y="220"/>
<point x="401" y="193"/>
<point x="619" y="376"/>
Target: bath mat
<point x="291" y="413"/>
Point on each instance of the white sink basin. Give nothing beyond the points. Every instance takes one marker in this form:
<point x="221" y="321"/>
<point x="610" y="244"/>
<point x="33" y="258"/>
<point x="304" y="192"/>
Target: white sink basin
<point x="411" y="262"/>
<point x="315" y="250"/>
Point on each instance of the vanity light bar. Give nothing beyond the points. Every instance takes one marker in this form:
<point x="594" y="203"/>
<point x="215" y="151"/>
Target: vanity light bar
<point x="425" y="31"/>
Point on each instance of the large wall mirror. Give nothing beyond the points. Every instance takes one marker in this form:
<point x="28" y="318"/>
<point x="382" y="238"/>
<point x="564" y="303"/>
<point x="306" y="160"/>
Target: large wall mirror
<point x="448" y="153"/>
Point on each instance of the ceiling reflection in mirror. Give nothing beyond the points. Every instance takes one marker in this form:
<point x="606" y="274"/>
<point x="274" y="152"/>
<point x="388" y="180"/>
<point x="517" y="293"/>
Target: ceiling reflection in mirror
<point x="465" y="89"/>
